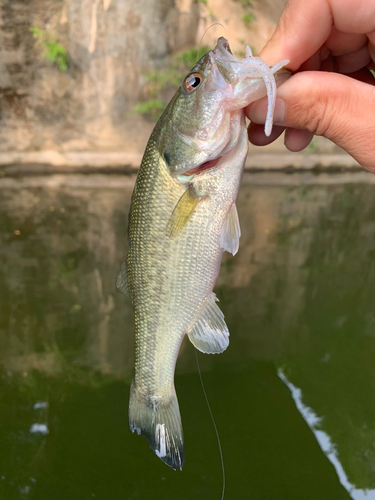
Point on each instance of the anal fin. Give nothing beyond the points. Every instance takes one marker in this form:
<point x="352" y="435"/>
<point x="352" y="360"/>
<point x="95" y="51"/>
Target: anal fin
<point x="231" y="232"/>
<point x="210" y="334"/>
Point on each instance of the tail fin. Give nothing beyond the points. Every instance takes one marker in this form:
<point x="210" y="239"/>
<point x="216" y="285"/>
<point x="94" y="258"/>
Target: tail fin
<point x="160" y="423"/>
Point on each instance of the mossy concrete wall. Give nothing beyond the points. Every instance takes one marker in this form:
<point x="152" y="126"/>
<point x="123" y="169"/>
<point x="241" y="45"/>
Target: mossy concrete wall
<point x="111" y="45"/>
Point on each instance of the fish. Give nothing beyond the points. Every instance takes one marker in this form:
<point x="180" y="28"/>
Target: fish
<point x="182" y="218"/>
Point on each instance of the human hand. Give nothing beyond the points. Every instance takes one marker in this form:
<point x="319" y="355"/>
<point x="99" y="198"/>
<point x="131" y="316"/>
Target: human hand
<point x="330" y="45"/>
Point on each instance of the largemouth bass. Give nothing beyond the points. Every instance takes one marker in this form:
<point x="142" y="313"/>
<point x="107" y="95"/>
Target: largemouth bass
<point x="183" y="216"/>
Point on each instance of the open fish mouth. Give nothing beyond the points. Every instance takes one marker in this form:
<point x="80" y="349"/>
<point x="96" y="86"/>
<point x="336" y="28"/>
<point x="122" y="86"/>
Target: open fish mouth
<point x="223" y="44"/>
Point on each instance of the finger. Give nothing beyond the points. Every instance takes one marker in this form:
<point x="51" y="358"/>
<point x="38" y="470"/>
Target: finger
<point x="297" y="140"/>
<point x="371" y="45"/>
<point x="349" y="63"/>
<point x="353" y="16"/>
<point x="306" y="25"/>
<point x="329" y="64"/>
<point x="329" y="104"/>
<point x="364" y="75"/>
<point x="316" y="60"/>
<point x="259" y="138"/>
<point x="296" y="37"/>
<point x="340" y="43"/>
<point x="257" y="111"/>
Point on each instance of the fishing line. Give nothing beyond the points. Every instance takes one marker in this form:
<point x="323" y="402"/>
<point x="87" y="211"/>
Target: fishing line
<point x="200" y="43"/>
<point x="214" y="424"/>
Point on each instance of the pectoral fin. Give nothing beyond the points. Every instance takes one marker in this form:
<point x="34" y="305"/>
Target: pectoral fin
<point x="122" y="281"/>
<point x="210" y="334"/>
<point x="231" y="232"/>
<point x="183" y="211"/>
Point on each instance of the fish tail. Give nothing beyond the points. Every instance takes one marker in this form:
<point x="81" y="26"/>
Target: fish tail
<point x="160" y="422"/>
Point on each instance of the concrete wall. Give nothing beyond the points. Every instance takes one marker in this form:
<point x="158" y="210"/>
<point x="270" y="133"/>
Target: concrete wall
<point x="111" y="44"/>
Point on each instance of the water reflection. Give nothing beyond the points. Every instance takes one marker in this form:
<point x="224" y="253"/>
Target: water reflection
<point x="315" y="423"/>
<point x="298" y="297"/>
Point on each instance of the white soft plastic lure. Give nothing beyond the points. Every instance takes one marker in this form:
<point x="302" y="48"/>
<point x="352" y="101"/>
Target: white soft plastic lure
<point x="183" y="216"/>
<point x="255" y="67"/>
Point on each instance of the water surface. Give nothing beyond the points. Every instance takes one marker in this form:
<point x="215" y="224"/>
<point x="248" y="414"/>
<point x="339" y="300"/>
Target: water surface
<point x="293" y="396"/>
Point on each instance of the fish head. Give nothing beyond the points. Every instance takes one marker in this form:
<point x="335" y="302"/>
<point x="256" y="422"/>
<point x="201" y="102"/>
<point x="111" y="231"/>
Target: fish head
<point x="204" y="119"/>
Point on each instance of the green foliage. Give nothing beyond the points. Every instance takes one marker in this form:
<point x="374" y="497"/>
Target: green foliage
<point x="152" y="107"/>
<point x="67" y="266"/>
<point x="53" y="51"/>
<point x="201" y="1"/>
<point x="248" y="19"/>
<point x="312" y="148"/>
<point x="161" y="81"/>
<point x="241" y="54"/>
<point x="190" y="57"/>
<point x="245" y="3"/>
<point x="372" y="72"/>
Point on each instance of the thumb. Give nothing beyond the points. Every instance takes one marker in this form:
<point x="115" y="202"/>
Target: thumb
<point x="329" y="104"/>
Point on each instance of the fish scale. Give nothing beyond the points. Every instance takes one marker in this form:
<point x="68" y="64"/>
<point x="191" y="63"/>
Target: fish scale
<point x="185" y="268"/>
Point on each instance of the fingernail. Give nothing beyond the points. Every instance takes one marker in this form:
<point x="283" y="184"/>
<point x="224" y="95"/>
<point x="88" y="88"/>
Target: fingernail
<point x="279" y="113"/>
<point x="258" y="111"/>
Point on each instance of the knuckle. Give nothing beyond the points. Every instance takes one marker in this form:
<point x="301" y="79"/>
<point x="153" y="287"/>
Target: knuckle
<point x="322" y="119"/>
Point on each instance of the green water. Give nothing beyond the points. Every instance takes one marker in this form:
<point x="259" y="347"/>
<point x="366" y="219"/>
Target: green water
<point x="293" y="396"/>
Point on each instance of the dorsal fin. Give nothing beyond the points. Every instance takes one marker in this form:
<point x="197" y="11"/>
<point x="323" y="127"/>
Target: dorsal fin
<point x="210" y="334"/>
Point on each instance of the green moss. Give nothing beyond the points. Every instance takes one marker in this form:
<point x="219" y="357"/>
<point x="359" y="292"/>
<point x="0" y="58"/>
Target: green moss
<point x="245" y="3"/>
<point x="53" y="51"/>
<point x="190" y="57"/>
<point x="248" y="19"/>
<point x="312" y="147"/>
<point x="240" y="54"/>
<point x="164" y="80"/>
<point x="152" y="107"/>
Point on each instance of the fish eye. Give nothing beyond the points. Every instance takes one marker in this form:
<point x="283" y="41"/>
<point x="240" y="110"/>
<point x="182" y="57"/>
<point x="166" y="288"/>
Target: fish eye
<point x="192" y="81"/>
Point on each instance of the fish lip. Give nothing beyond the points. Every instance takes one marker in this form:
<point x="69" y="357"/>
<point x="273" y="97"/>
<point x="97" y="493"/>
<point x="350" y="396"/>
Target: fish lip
<point x="223" y="44"/>
<point x="224" y="63"/>
<point x="222" y="51"/>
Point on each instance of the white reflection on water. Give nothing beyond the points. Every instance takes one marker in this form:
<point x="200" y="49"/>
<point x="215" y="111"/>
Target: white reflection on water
<point x="325" y="442"/>
<point x="40" y="405"/>
<point x="39" y="429"/>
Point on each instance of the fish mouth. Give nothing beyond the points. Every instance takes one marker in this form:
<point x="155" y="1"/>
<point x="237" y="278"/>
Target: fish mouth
<point x="237" y="72"/>
<point x="223" y="44"/>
